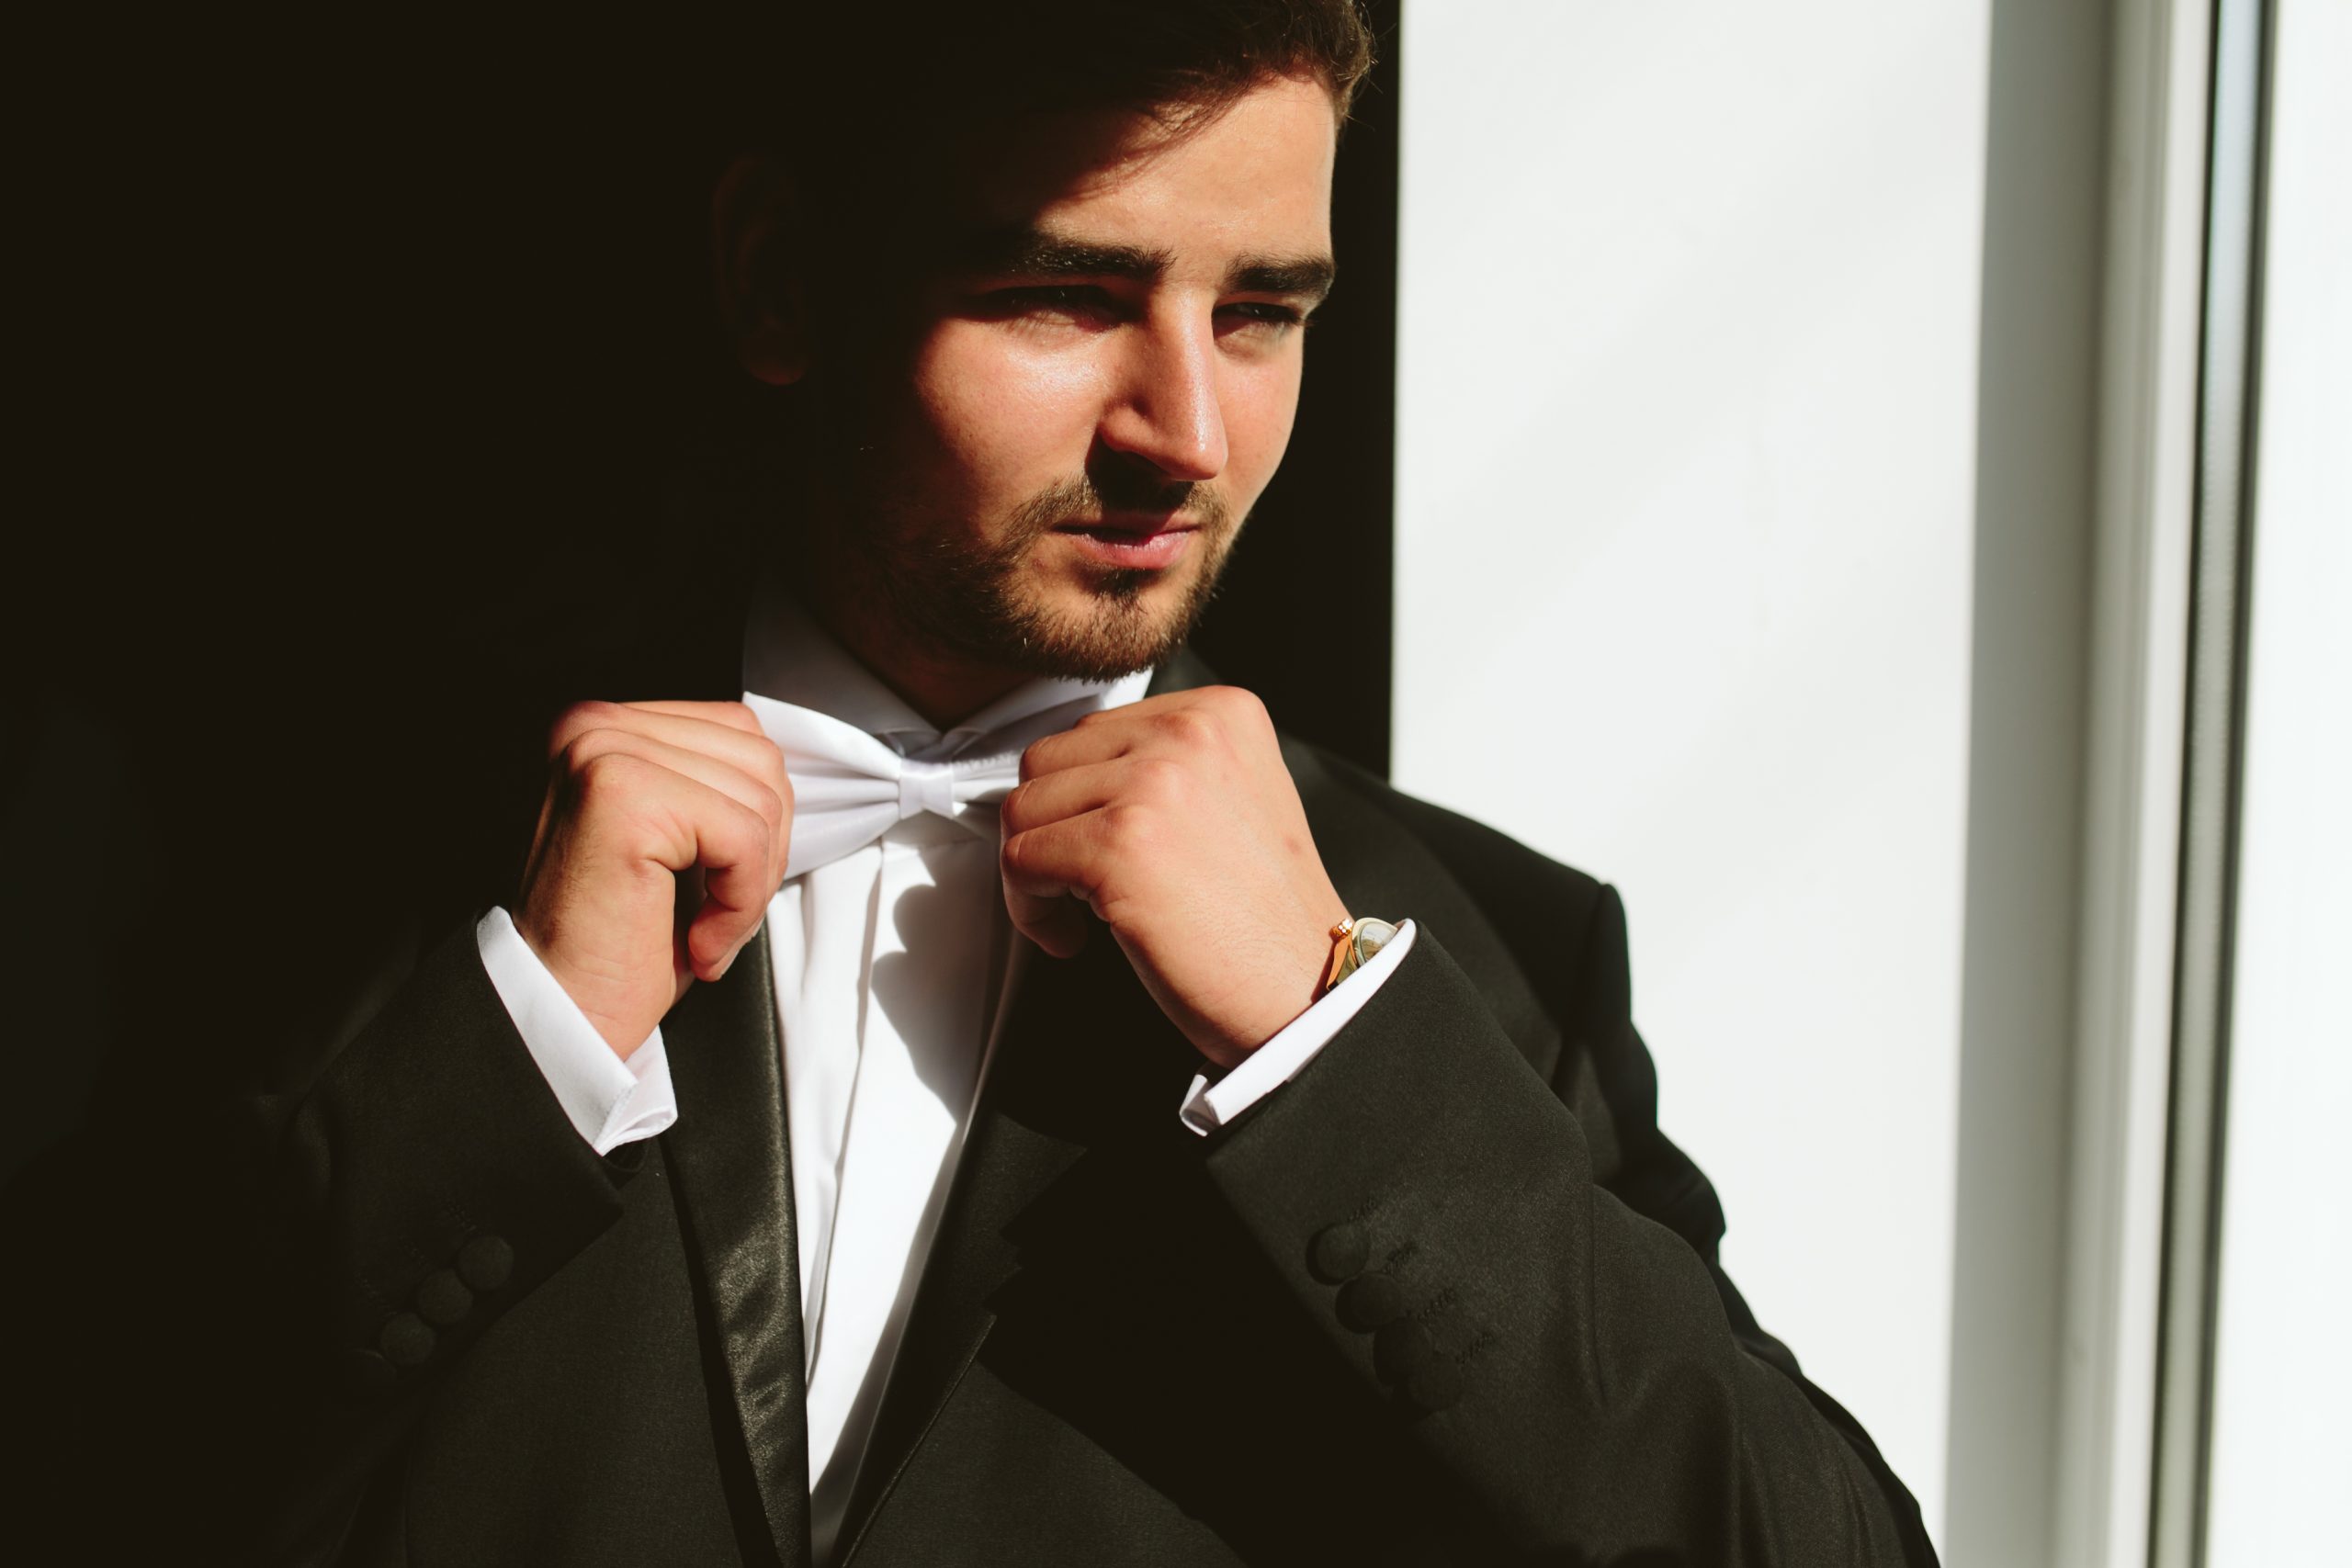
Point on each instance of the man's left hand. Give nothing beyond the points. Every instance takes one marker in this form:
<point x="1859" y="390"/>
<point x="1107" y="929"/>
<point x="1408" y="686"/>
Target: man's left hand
<point x="1175" y="821"/>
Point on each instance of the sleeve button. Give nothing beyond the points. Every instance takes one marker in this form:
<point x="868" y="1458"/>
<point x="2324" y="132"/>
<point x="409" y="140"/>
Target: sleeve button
<point x="1400" y="1348"/>
<point x="406" y="1341"/>
<point x="1434" y="1386"/>
<point x="1370" y="1301"/>
<point x="443" y="1299"/>
<point x="484" y="1263"/>
<point x="1339" y="1252"/>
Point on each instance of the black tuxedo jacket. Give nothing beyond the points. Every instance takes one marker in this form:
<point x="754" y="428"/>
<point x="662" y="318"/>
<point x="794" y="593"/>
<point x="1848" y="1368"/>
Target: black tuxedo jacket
<point x="1448" y="1297"/>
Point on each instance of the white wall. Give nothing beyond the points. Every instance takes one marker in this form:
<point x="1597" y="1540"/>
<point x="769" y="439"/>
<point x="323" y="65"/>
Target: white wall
<point x="2282" y="1385"/>
<point x="1688" y="370"/>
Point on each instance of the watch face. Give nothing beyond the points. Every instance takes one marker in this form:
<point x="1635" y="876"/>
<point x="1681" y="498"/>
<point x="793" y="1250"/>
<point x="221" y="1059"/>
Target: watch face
<point x="1370" y="936"/>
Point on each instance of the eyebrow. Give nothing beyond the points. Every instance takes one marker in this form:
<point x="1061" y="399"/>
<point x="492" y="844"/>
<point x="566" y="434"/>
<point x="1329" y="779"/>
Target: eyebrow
<point x="1029" y="252"/>
<point x="1309" y="278"/>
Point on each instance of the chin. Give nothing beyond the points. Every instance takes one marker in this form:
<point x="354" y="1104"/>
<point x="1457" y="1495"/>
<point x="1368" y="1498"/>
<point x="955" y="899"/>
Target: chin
<point x="1129" y="621"/>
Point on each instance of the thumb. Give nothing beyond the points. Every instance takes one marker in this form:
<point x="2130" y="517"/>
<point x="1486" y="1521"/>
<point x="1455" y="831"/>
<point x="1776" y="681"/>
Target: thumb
<point x="1054" y="920"/>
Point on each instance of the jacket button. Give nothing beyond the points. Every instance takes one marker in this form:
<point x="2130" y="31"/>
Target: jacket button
<point x="1434" y="1385"/>
<point x="1401" y="1348"/>
<point x="484" y="1262"/>
<point x="1339" y="1252"/>
<point x="406" y="1341"/>
<point x="1370" y="1301"/>
<point x="443" y="1299"/>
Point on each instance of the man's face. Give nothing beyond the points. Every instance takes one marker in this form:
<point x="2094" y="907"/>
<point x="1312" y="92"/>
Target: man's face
<point x="1046" y="469"/>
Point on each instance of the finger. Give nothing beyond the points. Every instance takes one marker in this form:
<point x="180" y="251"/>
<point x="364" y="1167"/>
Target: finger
<point x="1049" y="874"/>
<point x="1089" y="786"/>
<point x="1097" y="738"/>
<point x="647" y="812"/>
<point x="750" y="751"/>
<point x="702" y="724"/>
<point x="1059" y="925"/>
<point x="757" y="796"/>
<point x="733" y="850"/>
<point x="1174" y="724"/>
<point x="734" y="715"/>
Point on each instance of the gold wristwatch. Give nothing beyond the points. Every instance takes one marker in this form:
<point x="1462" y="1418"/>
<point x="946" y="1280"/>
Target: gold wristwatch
<point x="1353" y="944"/>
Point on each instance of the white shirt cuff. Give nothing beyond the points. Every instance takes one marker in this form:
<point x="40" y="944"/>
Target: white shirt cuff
<point x="1208" y="1106"/>
<point x="610" y="1101"/>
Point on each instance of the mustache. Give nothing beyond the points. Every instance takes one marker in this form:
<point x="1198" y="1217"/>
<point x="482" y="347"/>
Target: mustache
<point x="1085" y="498"/>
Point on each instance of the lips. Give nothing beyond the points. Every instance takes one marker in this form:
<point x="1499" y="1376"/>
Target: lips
<point x="1145" y="546"/>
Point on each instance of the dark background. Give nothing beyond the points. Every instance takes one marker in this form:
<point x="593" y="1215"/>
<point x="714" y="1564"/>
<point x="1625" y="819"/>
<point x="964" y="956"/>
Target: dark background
<point x="373" y="373"/>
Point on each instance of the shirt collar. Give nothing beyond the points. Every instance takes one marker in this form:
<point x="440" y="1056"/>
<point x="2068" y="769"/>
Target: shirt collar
<point x="787" y="656"/>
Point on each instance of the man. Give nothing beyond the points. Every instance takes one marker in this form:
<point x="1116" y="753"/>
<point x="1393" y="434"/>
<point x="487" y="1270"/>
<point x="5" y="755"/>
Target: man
<point x="965" y="1089"/>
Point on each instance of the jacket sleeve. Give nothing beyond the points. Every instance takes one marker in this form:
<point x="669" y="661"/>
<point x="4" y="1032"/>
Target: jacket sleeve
<point x="1561" y="1339"/>
<point x="259" y="1293"/>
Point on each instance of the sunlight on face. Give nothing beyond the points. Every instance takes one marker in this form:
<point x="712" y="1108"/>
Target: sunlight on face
<point x="1100" y="382"/>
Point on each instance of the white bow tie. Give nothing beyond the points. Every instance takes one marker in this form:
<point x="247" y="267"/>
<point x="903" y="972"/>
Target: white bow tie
<point x="848" y="788"/>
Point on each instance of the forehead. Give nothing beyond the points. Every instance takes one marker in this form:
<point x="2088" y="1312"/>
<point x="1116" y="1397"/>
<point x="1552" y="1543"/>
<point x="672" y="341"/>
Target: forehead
<point x="1255" y="176"/>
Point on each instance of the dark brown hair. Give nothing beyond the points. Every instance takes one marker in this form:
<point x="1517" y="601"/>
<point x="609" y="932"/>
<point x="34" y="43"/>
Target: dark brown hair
<point x="860" y="97"/>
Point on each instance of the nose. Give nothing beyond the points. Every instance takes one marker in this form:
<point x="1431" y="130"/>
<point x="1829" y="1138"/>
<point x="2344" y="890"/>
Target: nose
<point x="1164" y="410"/>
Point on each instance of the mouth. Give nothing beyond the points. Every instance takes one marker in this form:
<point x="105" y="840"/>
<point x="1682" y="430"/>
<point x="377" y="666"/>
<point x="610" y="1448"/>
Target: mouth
<point x="1137" y="544"/>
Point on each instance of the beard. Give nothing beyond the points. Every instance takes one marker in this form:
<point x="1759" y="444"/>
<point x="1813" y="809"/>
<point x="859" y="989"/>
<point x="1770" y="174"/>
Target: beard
<point x="968" y="600"/>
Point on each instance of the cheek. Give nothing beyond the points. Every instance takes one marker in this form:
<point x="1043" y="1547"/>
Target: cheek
<point x="1005" y="416"/>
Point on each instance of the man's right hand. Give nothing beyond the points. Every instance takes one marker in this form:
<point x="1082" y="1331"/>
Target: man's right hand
<point x="661" y="841"/>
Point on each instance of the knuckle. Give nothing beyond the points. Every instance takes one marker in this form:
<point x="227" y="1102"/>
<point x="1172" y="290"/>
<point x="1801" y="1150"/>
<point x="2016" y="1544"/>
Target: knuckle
<point x="602" y="773"/>
<point x="767" y="765"/>
<point x="1243" y="705"/>
<point x="1160" y="779"/>
<point x="1236" y="712"/>
<point x="609" y="785"/>
<point x="1016" y="855"/>
<point x="586" y="746"/>
<point x="1180" y="723"/>
<point x="1130" y="826"/>
<point x="572" y="721"/>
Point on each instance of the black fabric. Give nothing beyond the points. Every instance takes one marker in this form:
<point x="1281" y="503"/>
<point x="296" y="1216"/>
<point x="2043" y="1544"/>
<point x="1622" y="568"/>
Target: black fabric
<point x="1450" y="1297"/>
<point x="732" y="1161"/>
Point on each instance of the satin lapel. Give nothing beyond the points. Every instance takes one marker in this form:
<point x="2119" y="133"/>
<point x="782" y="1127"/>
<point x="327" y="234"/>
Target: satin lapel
<point x="732" y="1170"/>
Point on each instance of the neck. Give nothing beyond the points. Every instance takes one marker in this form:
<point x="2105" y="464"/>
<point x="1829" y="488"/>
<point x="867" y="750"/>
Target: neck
<point x="942" y="690"/>
<point x="839" y="589"/>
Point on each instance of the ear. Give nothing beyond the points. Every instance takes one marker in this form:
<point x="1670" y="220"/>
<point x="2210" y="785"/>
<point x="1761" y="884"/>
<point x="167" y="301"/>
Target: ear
<point x="760" y="294"/>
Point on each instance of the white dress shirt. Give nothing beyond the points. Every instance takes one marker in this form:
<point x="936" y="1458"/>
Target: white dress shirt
<point x="893" y="963"/>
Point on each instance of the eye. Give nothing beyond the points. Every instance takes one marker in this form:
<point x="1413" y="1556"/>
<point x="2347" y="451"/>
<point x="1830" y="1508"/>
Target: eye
<point x="1261" y="319"/>
<point x="1076" y="303"/>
